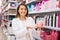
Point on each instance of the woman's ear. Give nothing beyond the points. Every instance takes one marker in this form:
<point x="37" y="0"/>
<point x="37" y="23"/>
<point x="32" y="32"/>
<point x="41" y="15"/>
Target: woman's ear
<point x="18" y="10"/>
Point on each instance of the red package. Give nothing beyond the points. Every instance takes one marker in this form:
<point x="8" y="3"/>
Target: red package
<point x="59" y="4"/>
<point x="52" y="36"/>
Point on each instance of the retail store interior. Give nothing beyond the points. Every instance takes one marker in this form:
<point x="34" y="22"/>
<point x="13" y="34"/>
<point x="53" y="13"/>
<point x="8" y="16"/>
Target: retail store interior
<point x="45" y="11"/>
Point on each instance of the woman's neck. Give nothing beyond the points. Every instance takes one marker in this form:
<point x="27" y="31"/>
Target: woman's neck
<point x="22" y="18"/>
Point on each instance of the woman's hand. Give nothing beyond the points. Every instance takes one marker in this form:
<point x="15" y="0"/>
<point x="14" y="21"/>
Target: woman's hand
<point x="39" y="24"/>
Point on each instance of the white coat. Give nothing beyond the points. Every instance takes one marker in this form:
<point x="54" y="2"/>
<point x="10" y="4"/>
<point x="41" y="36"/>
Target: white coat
<point x="20" y="30"/>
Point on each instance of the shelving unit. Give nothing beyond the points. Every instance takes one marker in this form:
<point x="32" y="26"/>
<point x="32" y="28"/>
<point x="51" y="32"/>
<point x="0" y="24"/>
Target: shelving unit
<point x="45" y="11"/>
<point x="53" y="28"/>
<point x="8" y="9"/>
<point x="51" y="16"/>
<point x="4" y="5"/>
<point x="29" y="2"/>
<point x="11" y="14"/>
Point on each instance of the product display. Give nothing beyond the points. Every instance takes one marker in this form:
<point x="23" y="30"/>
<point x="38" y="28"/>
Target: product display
<point x="44" y="5"/>
<point x="45" y="15"/>
<point x="59" y="20"/>
<point x="58" y="4"/>
<point x="48" y="34"/>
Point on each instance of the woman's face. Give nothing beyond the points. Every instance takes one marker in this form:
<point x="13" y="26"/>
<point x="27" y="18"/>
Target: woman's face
<point x="22" y="10"/>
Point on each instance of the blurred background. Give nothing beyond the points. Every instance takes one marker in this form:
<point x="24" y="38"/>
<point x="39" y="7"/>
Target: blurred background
<point x="46" y="11"/>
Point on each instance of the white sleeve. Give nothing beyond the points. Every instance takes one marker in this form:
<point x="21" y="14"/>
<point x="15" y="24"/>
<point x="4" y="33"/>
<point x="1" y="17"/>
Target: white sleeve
<point x="32" y="22"/>
<point x="18" y="32"/>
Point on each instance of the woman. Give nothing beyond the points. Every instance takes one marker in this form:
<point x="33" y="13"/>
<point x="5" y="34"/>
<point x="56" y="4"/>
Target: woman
<point x="23" y="25"/>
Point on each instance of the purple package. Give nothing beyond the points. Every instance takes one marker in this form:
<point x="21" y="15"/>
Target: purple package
<point x="45" y="0"/>
<point x="59" y="20"/>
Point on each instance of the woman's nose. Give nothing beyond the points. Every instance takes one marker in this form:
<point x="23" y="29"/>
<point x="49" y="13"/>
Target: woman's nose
<point x="23" y="10"/>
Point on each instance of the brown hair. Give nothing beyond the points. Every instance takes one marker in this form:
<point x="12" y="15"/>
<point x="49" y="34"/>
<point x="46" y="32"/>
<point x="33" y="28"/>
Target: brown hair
<point x="17" y="15"/>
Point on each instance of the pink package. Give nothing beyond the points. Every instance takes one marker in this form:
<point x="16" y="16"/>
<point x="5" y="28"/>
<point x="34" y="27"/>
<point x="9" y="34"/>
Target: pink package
<point x="48" y="37"/>
<point x="45" y="0"/>
<point x="58" y="20"/>
<point x="54" y="35"/>
<point x="43" y="35"/>
<point x="38" y="6"/>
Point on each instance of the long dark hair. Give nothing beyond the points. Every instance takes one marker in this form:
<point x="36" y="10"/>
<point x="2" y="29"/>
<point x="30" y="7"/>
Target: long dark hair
<point x="17" y="15"/>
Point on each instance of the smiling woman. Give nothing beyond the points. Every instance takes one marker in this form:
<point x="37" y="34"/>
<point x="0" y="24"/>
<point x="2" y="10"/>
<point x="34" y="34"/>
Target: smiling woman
<point x="22" y="25"/>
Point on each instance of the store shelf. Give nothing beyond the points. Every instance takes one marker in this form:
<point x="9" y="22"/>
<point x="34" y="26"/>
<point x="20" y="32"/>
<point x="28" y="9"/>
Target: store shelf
<point x="10" y="36"/>
<point x="53" y="28"/>
<point x="5" y="20"/>
<point x="5" y="5"/>
<point x="12" y="1"/>
<point x="9" y="8"/>
<point x="30" y="2"/>
<point x="11" y="14"/>
<point x="45" y="11"/>
<point x="5" y="9"/>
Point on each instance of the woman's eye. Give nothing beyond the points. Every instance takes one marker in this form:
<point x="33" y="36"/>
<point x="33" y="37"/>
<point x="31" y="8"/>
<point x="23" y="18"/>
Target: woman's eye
<point x="25" y="9"/>
<point x="21" y="8"/>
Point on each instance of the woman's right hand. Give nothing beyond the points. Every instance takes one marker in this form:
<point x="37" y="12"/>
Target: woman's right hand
<point x="39" y="24"/>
